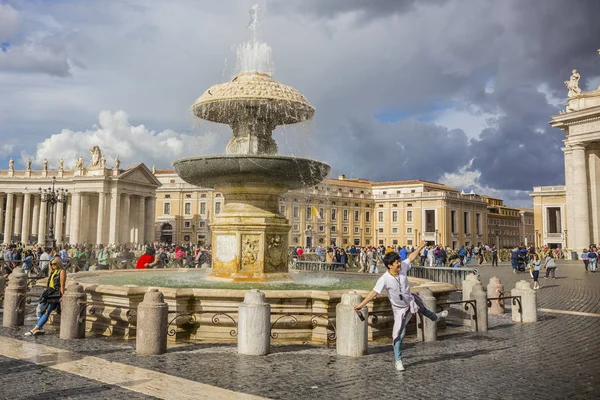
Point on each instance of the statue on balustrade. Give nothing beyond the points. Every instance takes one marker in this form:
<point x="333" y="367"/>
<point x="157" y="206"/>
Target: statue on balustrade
<point x="45" y="164"/>
<point x="11" y="164"/>
<point x="28" y="164"/>
<point x="61" y="164"/>
<point x="79" y="162"/>
<point x="117" y="162"/>
<point x="573" y="84"/>
<point x="96" y="156"/>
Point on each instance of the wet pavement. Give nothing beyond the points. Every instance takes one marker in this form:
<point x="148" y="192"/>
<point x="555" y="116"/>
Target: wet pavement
<point x="555" y="358"/>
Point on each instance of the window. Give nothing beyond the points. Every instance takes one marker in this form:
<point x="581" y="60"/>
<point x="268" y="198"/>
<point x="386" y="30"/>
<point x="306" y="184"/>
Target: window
<point x="368" y="216"/>
<point x="409" y="230"/>
<point x="202" y="224"/>
<point x="394" y="205"/>
<point x="188" y="196"/>
<point x="218" y="207"/>
<point x="356" y="242"/>
<point x="296" y="213"/>
<point x="367" y="230"/>
<point x="167" y="209"/>
<point x="345" y="241"/>
<point x="321" y="213"/>
<point x="187" y="224"/>
<point x="409" y="216"/>
<point x="321" y="228"/>
<point x="394" y="230"/>
<point x="187" y="209"/>
<point x="333" y="214"/>
<point x="167" y="196"/>
<point x="381" y="242"/>
<point x="218" y="195"/>
<point x="409" y="205"/>
<point x="395" y="242"/>
<point x="409" y="242"/>
<point x="345" y="229"/>
<point x="308" y="212"/>
<point x="282" y="209"/>
<point x="296" y="227"/>
<point x="368" y="241"/>
<point x="380" y="230"/>
<point x="203" y="208"/>
<point x="466" y="222"/>
<point x="478" y="223"/>
<point x="384" y="192"/>
<point x="430" y="221"/>
<point x="333" y="229"/>
<point x="203" y="195"/>
<point x="380" y="218"/>
<point x="356" y="216"/>
<point x="345" y="215"/>
<point x="186" y="238"/>
<point x="356" y="229"/>
<point x="453" y="221"/>
<point x="394" y="216"/>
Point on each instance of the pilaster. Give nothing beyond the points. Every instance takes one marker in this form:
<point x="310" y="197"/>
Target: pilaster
<point x="8" y="223"/>
<point x="74" y="229"/>
<point x="25" y="229"/>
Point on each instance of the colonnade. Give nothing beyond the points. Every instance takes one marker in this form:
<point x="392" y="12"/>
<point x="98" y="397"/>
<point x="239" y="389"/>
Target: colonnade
<point x="582" y="179"/>
<point x="86" y="217"/>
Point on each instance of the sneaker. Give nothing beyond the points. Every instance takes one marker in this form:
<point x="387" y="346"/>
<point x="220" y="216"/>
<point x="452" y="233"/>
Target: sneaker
<point x="442" y="314"/>
<point x="399" y="366"/>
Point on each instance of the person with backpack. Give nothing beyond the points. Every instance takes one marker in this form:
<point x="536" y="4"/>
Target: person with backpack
<point x="593" y="259"/>
<point x="585" y="259"/>
<point x="550" y="266"/>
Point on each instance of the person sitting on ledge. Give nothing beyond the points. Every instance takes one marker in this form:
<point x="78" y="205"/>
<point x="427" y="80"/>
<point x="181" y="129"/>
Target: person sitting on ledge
<point x="404" y="303"/>
<point x="50" y="299"/>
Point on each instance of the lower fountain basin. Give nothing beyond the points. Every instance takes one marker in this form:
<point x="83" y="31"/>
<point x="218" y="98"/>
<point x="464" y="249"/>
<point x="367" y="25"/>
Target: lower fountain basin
<point x="281" y="171"/>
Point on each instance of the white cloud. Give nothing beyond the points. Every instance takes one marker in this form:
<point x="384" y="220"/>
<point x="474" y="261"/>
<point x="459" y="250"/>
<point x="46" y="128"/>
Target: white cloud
<point x="472" y="121"/>
<point x="116" y="136"/>
<point x="9" y="21"/>
<point x="6" y="149"/>
<point x="34" y="58"/>
<point x="468" y="179"/>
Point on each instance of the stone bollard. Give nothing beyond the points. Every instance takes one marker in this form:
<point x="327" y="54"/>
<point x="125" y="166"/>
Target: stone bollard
<point x="152" y="320"/>
<point x="351" y="331"/>
<point x="14" y="299"/>
<point x="254" y="324"/>
<point x="467" y="286"/>
<point x="494" y="289"/>
<point x="528" y="302"/>
<point x="429" y="326"/>
<point x="70" y="311"/>
<point x="480" y="298"/>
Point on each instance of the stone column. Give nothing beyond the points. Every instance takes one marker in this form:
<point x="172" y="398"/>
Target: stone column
<point x="42" y="224"/>
<point x="115" y="218"/>
<point x="528" y="303"/>
<point x="1" y="211"/>
<point x="141" y="222"/>
<point x="84" y="218"/>
<point x="480" y="298"/>
<point x="100" y="222"/>
<point x="125" y="218"/>
<point x="75" y="218"/>
<point x="352" y="333"/>
<point x="152" y="320"/>
<point x="580" y="199"/>
<point x="429" y="327"/>
<point x="594" y="171"/>
<point x="570" y="210"/>
<point x="35" y="215"/>
<point x="254" y="324"/>
<point x="494" y="289"/>
<point x="68" y="219"/>
<point x="58" y="222"/>
<point x="18" y="214"/>
<point x="133" y="219"/>
<point x="25" y="230"/>
<point x="150" y="218"/>
<point x="71" y="327"/>
<point x="8" y="221"/>
<point x="467" y="285"/>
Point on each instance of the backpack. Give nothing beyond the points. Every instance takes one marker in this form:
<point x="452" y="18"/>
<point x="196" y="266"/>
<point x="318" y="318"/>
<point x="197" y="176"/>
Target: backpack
<point x="592" y="254"/>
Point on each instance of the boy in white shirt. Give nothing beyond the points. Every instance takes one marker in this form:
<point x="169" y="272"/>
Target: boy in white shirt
<point x="404" y="303"/>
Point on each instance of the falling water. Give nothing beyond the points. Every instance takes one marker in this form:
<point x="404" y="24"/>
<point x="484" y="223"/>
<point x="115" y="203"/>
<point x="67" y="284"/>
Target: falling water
<point x="254" y="55"/>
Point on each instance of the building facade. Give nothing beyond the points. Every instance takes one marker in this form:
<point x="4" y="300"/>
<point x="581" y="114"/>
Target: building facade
<point x="340" y="211"/>
<point x="103" y="205"/>
<point x="569" y="216"/>
<point x="509" y="227"/>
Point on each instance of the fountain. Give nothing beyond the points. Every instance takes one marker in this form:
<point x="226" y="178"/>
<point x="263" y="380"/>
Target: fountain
<point x="250" y="237"/>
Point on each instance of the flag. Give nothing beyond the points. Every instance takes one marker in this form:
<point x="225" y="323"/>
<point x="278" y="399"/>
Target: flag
<point x="315" y="212"/>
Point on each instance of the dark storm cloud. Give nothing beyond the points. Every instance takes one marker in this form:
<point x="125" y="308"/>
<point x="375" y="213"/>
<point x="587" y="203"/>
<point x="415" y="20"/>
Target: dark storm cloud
<point x="517" y="46"/>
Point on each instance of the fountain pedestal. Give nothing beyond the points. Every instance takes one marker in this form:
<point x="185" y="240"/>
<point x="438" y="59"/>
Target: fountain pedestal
<point x="250" y="237"/>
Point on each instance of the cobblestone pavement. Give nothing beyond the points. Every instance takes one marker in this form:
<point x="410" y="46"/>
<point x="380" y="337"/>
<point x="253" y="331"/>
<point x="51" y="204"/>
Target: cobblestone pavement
<point x="555" y="358"/>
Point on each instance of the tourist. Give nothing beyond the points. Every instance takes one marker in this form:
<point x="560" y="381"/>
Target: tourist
<point x="103" y="256"/>
<point x="494" y="256"/>
<point x="28" y="261"/>
<point x="423" y="257"/>
<point x="593" y="259"/>
<point x="404" y="303"/>
<point x="537" y="265"/>
<point x="585" y="259"/>
<point x="372" y="261"/>
<point x="329" y="255"/>
<point x="51" y="298"/>
<point x="430" y="255"/>
<point x="363" y="260"/>
<point x="514" y="260"/>
<point x="403" y="253"/>
<point x="550" y="266"/>
<point x="462" y="253"/>
<point x="45" y="261"/>
<point x="148" y="259"/>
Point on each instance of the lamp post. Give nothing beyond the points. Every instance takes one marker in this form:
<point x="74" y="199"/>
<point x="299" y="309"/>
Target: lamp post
<point x="52" y="196"/>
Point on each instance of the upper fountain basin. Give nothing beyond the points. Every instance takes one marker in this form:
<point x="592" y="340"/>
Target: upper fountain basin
<point x="262" y="170"/>
<point x="253" y="95"/>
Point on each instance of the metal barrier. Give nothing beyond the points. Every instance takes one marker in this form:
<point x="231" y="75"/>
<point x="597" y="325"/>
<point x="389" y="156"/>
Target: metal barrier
<point x="516" y="301"/>
<point x="316" y="265"/>
<point x="454" y="276"/>
<point x="467" y="304"/>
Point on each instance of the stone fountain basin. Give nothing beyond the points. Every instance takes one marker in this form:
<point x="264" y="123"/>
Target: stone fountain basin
<point x="303" y="315"/>
<point x="268" y="170"/>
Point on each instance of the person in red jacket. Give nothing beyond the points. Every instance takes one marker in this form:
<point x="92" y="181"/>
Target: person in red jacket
<point x="147" y="259"/>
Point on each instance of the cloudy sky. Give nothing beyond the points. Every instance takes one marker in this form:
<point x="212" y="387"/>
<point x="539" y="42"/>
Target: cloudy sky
<point x="454" y="91"/>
